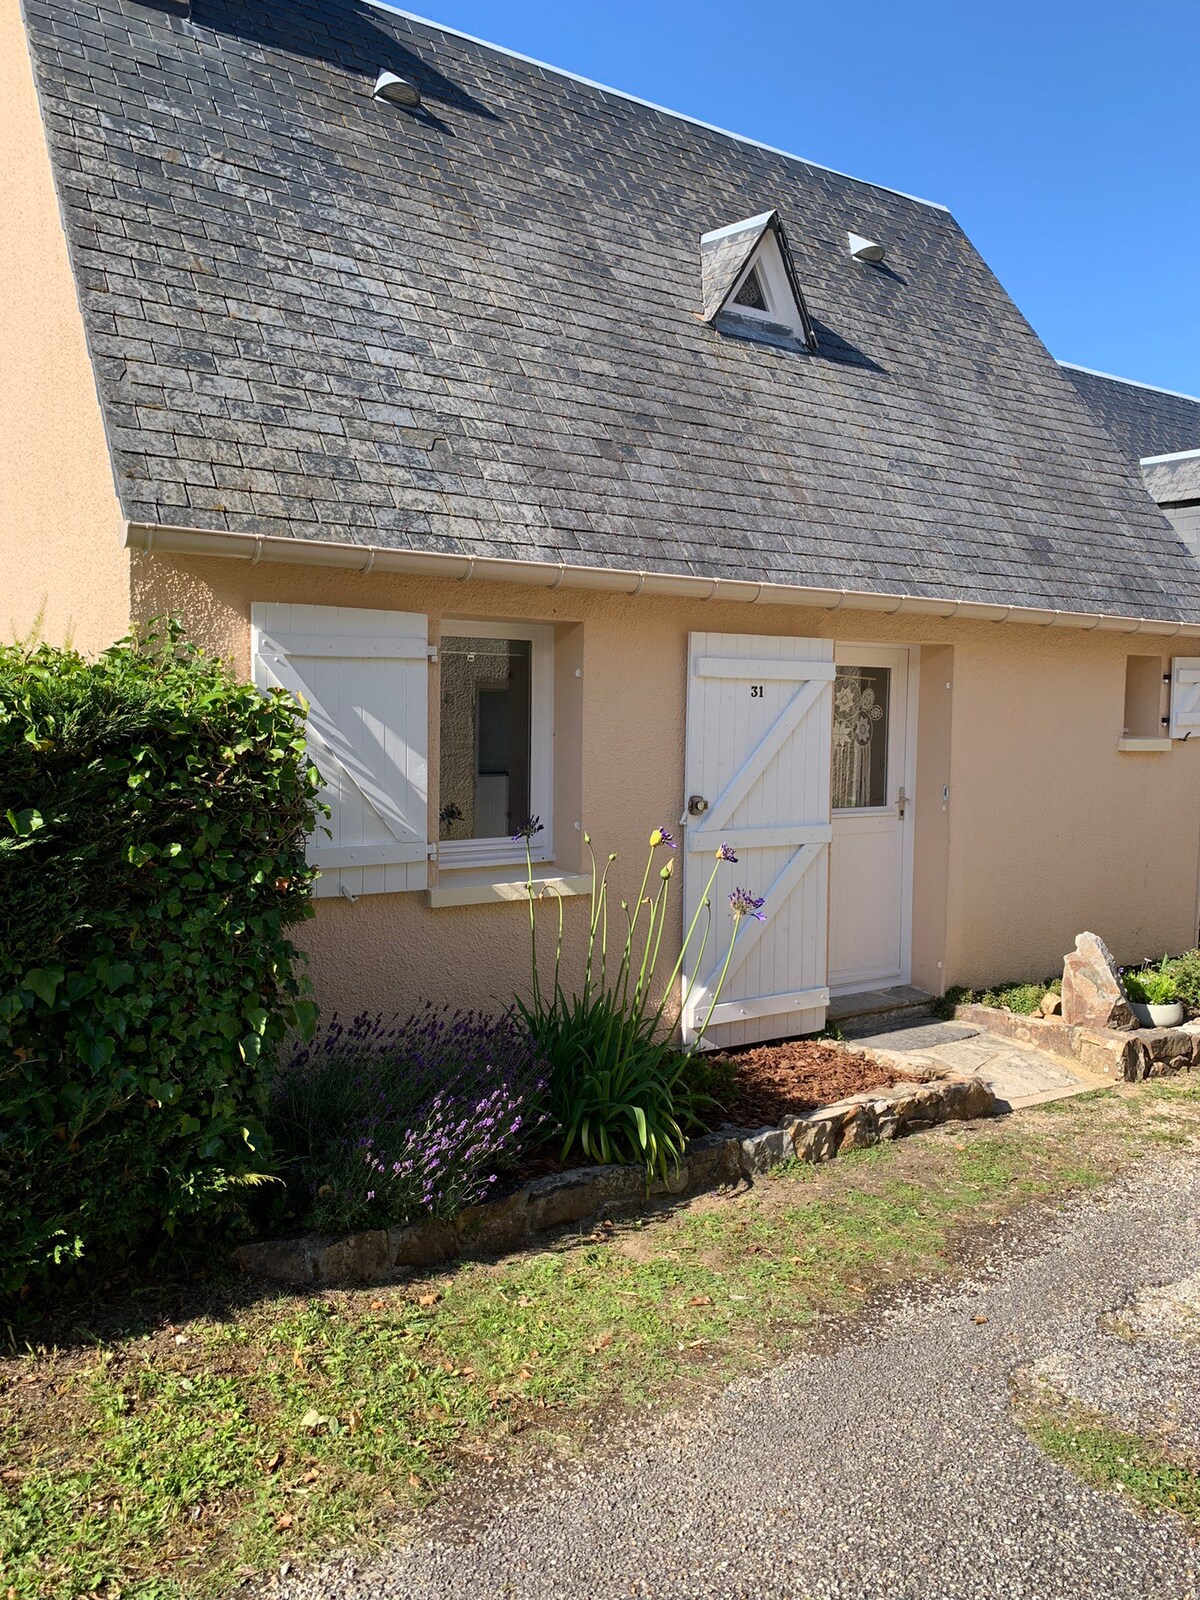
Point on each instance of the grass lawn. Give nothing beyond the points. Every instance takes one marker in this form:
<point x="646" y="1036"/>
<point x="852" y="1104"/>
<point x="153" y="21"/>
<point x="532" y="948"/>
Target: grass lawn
<point x="199" y="1433"/>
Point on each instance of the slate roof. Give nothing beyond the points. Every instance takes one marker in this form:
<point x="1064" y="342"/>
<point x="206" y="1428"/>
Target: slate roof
<point x="314" y="315"/>
<point x="1142" y="421"/>
<point x="1174" y="482"/>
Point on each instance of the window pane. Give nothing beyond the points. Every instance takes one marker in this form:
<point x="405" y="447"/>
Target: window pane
<point x="750" y="294"/>
<point x="860" y="737"/>
<point x="486" y="701"/>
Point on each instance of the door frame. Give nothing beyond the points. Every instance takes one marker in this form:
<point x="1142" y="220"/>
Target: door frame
<point x="884" y="655"/>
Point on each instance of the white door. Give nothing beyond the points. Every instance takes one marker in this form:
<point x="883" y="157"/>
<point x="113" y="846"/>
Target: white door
<point x="870" y="901"/>
<point x="757" y="773"/>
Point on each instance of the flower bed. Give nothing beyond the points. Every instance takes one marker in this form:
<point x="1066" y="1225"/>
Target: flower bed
<point x="767" y="1083"/>
<point x="378" y="1122"/>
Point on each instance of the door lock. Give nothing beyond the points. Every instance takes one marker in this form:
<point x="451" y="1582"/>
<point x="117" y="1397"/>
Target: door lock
<point x="697" y="805"/>
<point x="901" y="804"/>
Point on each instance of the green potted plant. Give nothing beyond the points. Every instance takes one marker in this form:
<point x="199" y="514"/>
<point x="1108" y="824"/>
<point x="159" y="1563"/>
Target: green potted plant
<point x="1153" y="996"/>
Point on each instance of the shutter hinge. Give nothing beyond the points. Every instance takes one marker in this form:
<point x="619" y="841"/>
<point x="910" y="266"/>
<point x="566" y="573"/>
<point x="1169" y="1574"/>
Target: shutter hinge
<point x="431" y="852"/>
<point x="432" y="652"/>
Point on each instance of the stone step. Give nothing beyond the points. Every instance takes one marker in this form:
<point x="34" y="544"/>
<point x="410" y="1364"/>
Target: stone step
<point x="874" y="1010"/>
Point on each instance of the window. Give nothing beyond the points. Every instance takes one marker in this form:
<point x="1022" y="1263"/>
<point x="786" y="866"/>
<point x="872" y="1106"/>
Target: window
<point x="751" y="293"/>
<point x="496" y="741"/>
<point x="1143" y="697"/>
<point x="764" y="294"/>
<point x="860" y="737"/>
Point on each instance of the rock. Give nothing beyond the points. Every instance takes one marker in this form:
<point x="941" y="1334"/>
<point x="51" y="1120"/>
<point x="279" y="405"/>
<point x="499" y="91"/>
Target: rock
<point x="356" y="1258"/>
<point x="963" y="1099"/>
<point x="1091" y="994"/>
<point x="415" y="1245"/>
<point x="1166" y="1050"/>
<point x="762" y="1151"/>
<point x="281" y="1260"/>
<point x="1113" y="1055"/>
<point x="565" y="1197"/>
<point x="713" y="1159"/>
<point x="1051" y="1005"/>
<point x="1044" y="1033"/>
<point x="495" y="1224"/>
<point x="815" y="1136"/>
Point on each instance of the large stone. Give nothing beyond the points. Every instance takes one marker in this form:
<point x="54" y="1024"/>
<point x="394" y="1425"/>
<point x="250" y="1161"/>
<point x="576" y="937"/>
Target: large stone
<point x="566" y="1197"/>
<point x="815" y="1136"/>
<point x="769" y="1148"/>
<point x="280" y="1260"/>
<point x="1091" y="994"/>
<point x="415" y="1245"/>
<point x="1167" y="1050"/>
<point x="1112" y="1055"/>
<point x="356" y="1258"/>
<point x="713" y="1159"/>
<point x="1043" y="1033"/>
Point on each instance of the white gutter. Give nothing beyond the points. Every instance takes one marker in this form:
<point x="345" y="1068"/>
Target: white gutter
<point x="1176" y="455"/>
<point x="254" y="548"/>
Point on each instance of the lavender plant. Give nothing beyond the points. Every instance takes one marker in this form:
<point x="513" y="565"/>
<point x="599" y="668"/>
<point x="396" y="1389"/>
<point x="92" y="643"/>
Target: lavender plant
<point x="618" y="1087"/>
<point x="380" y="1120"/>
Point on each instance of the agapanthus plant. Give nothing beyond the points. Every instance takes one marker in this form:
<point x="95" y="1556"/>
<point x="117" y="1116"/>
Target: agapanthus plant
<point x="617" y="1085"/>
<point x="382" y="1120"/>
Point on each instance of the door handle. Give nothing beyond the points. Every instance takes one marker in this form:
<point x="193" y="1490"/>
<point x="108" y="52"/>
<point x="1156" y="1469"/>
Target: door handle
<point x="901" y="804"/>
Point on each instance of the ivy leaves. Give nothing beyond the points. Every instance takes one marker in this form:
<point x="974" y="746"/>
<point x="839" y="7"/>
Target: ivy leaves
<point x="153" y="820"/>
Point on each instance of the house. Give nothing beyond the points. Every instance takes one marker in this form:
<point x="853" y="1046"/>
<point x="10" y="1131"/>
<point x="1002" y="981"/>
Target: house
<point x="578" y="460"/>
<point x="1158" y="429"/>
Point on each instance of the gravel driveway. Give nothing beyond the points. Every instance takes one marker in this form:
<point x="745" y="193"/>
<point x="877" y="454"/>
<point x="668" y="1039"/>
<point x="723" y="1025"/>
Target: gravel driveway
<point x="888" y="1467"/>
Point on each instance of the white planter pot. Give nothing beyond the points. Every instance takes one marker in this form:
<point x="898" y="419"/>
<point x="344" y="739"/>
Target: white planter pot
<point x="1158" y="1016"/>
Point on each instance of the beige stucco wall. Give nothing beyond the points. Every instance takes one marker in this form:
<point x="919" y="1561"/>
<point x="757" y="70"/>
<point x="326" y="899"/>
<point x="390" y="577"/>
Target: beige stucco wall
<point x="1048" y="828"/>
<point x="61" y="551"/>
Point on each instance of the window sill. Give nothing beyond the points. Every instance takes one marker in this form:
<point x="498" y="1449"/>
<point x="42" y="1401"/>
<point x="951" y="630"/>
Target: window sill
<point x="485" y="888"/>
<point x="1146" y="745"/>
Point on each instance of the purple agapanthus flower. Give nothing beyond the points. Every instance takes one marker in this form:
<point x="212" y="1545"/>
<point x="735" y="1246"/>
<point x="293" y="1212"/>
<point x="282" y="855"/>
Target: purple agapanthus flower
<point x="527" y="829"/>
<point x="725" y="853"/>
<point x="744" y="904"/>
<point x="663" y="836"/>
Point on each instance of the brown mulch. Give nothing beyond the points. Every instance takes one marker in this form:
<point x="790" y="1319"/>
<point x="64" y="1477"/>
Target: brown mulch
<point x="775" y="1081"/>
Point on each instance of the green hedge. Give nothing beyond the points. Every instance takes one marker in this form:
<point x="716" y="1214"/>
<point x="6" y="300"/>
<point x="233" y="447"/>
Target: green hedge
<point x="153" y="814"/>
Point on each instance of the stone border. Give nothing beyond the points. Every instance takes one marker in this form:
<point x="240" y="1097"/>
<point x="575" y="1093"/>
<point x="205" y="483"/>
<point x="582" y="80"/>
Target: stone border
<point x="571" y="1197"/>
<point x="1123" y="1054"/>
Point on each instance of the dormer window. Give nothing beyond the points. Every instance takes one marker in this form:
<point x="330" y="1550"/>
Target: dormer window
<point x="750" y="283"/>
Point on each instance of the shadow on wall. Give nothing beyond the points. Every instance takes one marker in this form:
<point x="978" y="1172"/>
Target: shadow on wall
<point x="349" y="35"/>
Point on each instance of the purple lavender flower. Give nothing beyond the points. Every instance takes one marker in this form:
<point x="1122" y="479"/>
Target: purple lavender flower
<point x="428" y="1110"/>
<point x="662" y="836"/>
<point x="743" y="904"/>
<point x="527" y="829"/>
<point x="725" y="853"/>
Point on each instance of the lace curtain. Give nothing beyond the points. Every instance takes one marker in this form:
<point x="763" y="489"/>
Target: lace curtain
<point x="860" y="737"/>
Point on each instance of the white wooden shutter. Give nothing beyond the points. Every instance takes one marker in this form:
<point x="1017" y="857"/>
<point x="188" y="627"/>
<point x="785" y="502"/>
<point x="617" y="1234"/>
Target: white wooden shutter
<point x="1185" y="697"/>
<point x="759" y="742"/>
<point x="363" y="676"/>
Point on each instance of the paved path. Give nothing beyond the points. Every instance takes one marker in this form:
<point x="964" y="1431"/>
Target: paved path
<point x="1016" y="1073"/>
<point x="885" y="1469"/>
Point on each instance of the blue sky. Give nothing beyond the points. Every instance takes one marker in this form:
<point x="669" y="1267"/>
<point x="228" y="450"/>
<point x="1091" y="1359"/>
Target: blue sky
<point x="1064" y="136"/>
